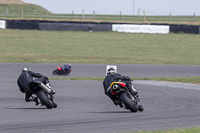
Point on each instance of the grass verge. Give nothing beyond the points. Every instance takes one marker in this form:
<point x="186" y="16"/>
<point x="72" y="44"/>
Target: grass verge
<point x="28" y="46"/>
<point x="194" y="80"/>
<point x="185" y="130"/>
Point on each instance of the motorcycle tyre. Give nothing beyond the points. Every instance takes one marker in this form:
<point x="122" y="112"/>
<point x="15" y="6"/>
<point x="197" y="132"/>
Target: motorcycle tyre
<point x="45" y="101"/>
<point x="56" y="72"/>
<point x="128" y="103"/>
<point x="55" y="105"/>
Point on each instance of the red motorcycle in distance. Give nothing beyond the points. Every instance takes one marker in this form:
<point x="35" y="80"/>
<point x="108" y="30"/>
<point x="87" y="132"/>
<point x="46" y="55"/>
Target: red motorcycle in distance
<point x="63" y="70"/>
<point x="125" y="98"/>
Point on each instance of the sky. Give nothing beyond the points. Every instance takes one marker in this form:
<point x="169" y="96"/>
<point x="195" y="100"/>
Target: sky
<point x="126" y="7"/>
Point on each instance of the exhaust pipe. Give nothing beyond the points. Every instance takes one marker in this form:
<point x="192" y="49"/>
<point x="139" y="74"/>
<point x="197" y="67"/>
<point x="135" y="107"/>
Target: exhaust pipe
<point x="46" y="89"/>
<point x="115" y="87"/>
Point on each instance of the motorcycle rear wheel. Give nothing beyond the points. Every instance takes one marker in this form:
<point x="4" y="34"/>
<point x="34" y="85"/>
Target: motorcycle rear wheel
<point x="128" y="103"/>
<point x="45" y="101"/>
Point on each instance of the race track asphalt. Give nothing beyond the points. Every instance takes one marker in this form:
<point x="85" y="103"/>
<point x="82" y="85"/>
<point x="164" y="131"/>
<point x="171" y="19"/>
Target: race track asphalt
<point x="83" y="107"/>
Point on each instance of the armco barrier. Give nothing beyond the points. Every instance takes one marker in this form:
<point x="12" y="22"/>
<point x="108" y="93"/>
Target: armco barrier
<point x="58" y="25"/>
<point x="75" y="27"/>
<point x="22" y="24"/>
<point x="184" y="29"/>
<point x="63" y="26"/>
<point x="100" y="27"/>
<point x="86" y="26"/>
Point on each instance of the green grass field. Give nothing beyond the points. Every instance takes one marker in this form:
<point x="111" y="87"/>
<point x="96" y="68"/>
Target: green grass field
<point x="98" y="47"/>
<point x="186" y="130"/>
<point x="16" y="9"/>
<point x="193" y="80"/>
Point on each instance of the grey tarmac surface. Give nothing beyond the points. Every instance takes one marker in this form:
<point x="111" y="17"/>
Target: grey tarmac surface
<point x="83" y="107"/>
<point x="98" y="70"/>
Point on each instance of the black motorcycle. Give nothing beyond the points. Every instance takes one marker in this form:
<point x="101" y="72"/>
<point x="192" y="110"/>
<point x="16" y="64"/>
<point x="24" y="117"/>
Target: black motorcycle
<point x="44" y="94"/>
<point x="125" y="98"/>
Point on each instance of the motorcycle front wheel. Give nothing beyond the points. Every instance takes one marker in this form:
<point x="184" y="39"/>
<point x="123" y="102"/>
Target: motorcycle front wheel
<point x="55" y="72"/>
<point x="45" y="101"/>
<point x="128" y="103"/>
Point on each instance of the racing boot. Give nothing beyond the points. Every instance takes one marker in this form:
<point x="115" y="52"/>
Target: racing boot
<point x="35" y="99"/>
<point x="120" y="104"/>
<point x="116" y="102"/>
<point x="52" y="91"/>
<point x="30" y="99"/>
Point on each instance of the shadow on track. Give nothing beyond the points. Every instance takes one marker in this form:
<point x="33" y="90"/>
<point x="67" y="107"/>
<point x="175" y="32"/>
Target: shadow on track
<point x="25" y="108"/>
<point x="113" y="112"/>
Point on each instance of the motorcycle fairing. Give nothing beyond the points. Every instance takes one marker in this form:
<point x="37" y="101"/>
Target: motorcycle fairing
<point x="59" y="68"/>
<point x="120" y="83"/>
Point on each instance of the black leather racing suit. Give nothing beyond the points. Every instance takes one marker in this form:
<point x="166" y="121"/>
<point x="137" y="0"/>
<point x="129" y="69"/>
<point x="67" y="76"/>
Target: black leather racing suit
<point x="25" y="78"/>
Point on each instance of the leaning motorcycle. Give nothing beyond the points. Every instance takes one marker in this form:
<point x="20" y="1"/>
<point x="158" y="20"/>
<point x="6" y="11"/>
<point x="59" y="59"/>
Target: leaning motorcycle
<point x="125" y="98"/>
<point x="61" y="71"/>
<point x="44" y="94"/>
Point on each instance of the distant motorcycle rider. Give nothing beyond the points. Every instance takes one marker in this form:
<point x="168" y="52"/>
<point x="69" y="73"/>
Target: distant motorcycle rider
<point x="25" y="78"/>
<point x="67" y="68"/>
<point x="111" y="77"/>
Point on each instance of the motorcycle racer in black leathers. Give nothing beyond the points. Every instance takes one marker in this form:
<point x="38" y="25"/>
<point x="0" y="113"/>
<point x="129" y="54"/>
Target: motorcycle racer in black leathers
<point x="111" y="77"/>
<point x="25" y="78"/>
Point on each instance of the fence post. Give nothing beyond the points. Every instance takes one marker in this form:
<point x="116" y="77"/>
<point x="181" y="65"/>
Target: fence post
<point x="6" y="12"/>
<point x="22" y="13"/>
<point x="72" y="14"/>
<point x="170" y="17"/>
<point x="144" y="16"/>
<point x="93" y="14"/>
<point x="120" y="14"/>
<point x="83" y="16"/>
<point x="47" y="15"/>
<point x="194" y="17"/>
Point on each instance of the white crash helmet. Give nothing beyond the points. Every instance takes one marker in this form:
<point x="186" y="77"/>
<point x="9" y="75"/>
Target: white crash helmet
<point x="25" y="69"/>
<point x="111" y="70"/>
